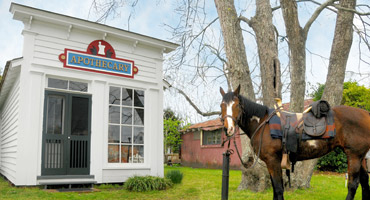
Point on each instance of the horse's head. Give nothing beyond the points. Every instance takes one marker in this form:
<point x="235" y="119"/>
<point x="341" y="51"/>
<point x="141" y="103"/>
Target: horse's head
<point x="230" y="110"/>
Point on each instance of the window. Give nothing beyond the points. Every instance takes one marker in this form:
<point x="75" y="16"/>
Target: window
<point x="126" y="125"/>
<point x="211" y="137"/>
<point x="67" y="85"/>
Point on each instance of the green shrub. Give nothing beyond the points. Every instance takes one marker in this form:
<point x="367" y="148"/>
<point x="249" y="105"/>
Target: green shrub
<point x="175" y="176"/>
<point x="335" y="161"/>
<point x="147" y="183"/>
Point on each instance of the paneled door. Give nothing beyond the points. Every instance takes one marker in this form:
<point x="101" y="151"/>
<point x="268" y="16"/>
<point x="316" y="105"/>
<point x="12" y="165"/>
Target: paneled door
<point x="66" y="134"/>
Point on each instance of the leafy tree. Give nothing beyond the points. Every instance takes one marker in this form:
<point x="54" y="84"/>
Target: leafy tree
<point x="353" y="95"/>
<point x="172" y="125"/>
<point x="356" y="96"/>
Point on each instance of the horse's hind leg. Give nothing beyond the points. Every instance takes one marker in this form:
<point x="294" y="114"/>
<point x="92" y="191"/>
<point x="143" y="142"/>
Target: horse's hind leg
<point x="364" y="180"/>
<point x="354" y="166"/>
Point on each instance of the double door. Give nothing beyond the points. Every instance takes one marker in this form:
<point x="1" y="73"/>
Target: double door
<point x="66" y="134"/>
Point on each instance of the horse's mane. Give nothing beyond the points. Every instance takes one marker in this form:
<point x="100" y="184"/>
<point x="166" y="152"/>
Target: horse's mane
<point x="248" y="107"/>
<point x="251" y="108"/>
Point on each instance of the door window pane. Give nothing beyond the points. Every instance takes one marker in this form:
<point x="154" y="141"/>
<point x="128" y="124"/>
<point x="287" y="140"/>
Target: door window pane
<point x="126" y="97"/>
<point x="113" y="134"/>
<point x="55" y="112"/>
<point x="57" y="83"/>
<point x="80" y="116"/>
<point x="114" y="95"/>
<point x="78" y="86"/>
<point x="114" y="114"/>
<point x="139" y="98"/>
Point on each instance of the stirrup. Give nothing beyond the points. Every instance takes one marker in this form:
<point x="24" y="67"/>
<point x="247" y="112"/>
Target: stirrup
<point x="285" y="162"/>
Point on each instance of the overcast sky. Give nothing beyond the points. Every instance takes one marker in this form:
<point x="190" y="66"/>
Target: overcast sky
<point x="149" y="18"/>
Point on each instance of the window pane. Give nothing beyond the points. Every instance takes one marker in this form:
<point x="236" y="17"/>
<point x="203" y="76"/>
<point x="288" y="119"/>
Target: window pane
<point x="113" y="153"/>
<point x="126" y="97"/>
<point x="139" y="116"/>
<point x="114" y="95"/>
<point x="139" y="98"/>
<point x="138" y="135"/>
<point x="126" y="134"/>
<point x="55" y="115"/>
<point x="113" y="134"/>
<point x="78" y="86"/>
<point x="80" y="116"/>
<point x="138" y="154"/>
<point x="127" y="116"/>
<point x="57" y="83"/>
<point x="211" y="137"/>
<point x="126" y="152"/>
<point x="114" y="114"/>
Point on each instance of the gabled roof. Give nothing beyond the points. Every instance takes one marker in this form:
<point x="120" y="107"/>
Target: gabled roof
<point x="28" y="14"/>
<point x="206" y="126"/>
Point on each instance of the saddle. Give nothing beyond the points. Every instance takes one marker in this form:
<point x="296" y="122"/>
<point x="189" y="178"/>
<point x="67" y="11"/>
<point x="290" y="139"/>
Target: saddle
<point x="316" y="122"/>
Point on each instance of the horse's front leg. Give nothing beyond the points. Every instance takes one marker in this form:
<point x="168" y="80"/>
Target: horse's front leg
<point x="354" y="166"/>
<point x="274" y="168"/>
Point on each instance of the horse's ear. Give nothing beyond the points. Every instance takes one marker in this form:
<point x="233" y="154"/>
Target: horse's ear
<point x="222" y="91"/>
<point x="237" y="91"/>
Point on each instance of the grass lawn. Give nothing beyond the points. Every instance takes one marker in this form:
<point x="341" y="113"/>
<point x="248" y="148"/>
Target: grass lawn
<point x="197" y="184"/>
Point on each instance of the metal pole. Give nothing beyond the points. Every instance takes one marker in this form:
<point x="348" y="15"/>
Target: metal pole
<point x="225" y="175"/>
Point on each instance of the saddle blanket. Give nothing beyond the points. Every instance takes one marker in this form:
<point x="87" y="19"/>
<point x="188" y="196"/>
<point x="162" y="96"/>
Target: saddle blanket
<point x="277" y="132"/>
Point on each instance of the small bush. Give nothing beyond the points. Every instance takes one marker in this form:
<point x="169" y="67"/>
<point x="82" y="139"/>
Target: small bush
<point x="147" y="183"/>
<point x="335" y="161"/>
<point x="175" y="176"/>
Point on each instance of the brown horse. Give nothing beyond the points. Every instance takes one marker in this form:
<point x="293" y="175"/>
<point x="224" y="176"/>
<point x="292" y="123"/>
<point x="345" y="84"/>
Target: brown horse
<point x="352" y="135"/>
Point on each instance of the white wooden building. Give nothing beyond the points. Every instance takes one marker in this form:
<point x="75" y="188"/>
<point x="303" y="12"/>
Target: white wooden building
<point x="84" y="103"/>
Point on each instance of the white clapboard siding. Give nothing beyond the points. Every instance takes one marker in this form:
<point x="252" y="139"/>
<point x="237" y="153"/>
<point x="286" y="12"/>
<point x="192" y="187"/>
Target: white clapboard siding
<point x="9" y="134"/>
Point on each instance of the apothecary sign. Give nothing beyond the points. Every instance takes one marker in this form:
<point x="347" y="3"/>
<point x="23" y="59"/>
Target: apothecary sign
<point x="99" y="57"/>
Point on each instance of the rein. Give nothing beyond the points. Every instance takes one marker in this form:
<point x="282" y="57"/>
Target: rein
<point x="261" y="125"/>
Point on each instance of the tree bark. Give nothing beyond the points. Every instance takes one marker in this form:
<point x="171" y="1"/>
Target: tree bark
<point x="257" y="178"/>
<point x="341" y="47"/>
<point x="237" y="68"/>
<point x="297" y="48"/>
<point x="267" y="44"/>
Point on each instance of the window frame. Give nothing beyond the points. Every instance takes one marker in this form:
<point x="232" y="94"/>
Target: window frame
<point x="68" y="90"/>
<point x="213" y="132"/>
<point x="120" y="124"/>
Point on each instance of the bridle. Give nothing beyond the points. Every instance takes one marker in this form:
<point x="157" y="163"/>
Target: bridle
<point x="236" y="121"/>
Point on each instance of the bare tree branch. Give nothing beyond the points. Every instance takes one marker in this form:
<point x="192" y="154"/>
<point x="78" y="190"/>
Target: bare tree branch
<point x="204" y="114"/>
<point x="316" y="14"/>
<point x="352" y="10"/>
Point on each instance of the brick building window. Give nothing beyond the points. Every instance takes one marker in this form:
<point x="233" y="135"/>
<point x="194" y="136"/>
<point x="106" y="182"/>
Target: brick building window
<point x="211" y="137"/>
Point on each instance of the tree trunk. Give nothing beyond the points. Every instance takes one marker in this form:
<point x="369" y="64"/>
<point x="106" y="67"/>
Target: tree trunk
<point x="267" y="52"/>
<point x="333" y="90"/>
<point x="341" y="47"/>
<point x="297" y="48"/>
<point x="238" y="68"/>
<point x="297" y="45"/>
<point x="256" y="179"/>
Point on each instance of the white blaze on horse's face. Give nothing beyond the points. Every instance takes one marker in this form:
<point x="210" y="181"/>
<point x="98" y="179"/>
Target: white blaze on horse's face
<point x="230" y="121"/>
